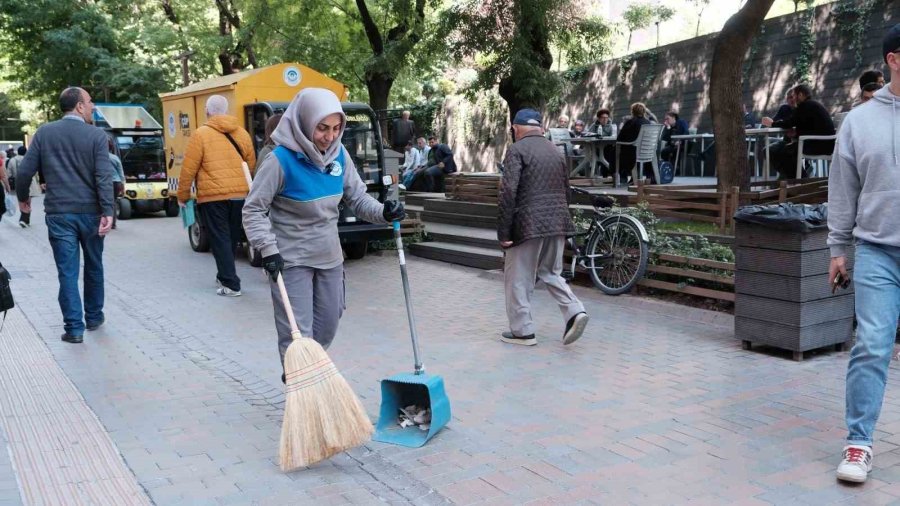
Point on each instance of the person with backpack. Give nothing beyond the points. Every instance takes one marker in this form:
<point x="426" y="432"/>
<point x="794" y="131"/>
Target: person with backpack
<point x="213" y="159"/>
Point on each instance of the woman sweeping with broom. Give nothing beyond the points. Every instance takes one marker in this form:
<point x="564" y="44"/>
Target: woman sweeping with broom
<point x="290" y="217"/>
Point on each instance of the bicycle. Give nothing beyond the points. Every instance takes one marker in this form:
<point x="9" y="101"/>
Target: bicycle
<point x="614" y="249"/>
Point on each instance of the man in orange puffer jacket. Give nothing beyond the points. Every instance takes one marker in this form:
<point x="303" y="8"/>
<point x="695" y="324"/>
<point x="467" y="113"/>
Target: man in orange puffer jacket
<point x="213" y="160"/>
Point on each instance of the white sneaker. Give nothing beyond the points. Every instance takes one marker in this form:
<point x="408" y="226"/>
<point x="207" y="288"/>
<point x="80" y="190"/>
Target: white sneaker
<point x="218" y="283"/>
<point x="228" y="292"/>
<point x="856" y="464"/>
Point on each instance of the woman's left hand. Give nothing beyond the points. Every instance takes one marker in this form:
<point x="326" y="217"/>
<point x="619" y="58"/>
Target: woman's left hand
<point x="393" y="211"/>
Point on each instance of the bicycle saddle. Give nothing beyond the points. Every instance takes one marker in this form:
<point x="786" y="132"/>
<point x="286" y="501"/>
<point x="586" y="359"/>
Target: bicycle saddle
<point x="602" y="201"/>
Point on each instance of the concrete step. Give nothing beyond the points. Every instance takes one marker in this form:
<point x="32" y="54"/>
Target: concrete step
<point x="419" y="198"/>
<point x="461" y="254"/>
<point x="466" y="220"/>
<point x="458" y="207"/>
<point x="456" y="234"/>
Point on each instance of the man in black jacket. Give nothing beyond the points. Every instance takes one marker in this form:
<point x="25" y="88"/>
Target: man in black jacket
<point x="440" y="163"/>
<point x="533" y="222"/>
<point x="809" y="118"/>
<point x="74" y="158"/>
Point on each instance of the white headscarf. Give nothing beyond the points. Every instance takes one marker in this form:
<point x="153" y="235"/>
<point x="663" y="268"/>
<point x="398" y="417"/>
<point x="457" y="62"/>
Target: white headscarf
<point x="307" y="110"/>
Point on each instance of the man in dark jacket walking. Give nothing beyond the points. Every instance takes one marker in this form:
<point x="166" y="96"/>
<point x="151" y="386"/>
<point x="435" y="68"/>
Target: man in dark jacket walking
<point x="533" y="223"/>
<point x="74" y="158"/>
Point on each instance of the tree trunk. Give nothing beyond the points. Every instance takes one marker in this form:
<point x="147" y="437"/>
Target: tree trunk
<point x="379" y="86"/>
<point x="725" y="97"/>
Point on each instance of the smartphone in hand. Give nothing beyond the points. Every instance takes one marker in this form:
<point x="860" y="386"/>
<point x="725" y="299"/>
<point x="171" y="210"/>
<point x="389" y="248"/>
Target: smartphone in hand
<point x="840" y="281"/>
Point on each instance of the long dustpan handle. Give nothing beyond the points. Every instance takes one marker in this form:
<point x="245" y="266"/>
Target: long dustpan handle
<point x="420" y="369"/>
<point x="295" y="331"/>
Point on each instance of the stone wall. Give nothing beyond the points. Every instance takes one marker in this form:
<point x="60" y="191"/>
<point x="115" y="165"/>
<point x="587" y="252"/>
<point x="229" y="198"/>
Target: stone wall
<point x="677" y="77"/>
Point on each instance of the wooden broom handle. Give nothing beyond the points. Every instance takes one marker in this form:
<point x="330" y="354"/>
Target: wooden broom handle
<point x="295" y="332"/>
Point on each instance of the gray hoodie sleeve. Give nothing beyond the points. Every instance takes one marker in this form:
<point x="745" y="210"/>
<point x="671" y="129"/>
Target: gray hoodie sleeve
<point x="843" y="194"/>
<point x="364" y="205"/>
<point x="268" y="183"/>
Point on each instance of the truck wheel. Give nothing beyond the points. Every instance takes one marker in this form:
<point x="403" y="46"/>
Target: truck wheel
<point x="356" y="250"/>
<point x="172" y="208"/>
<point x="125" y="209"/>
<point x="198" y="237"/>
<point x="253" y="256"/>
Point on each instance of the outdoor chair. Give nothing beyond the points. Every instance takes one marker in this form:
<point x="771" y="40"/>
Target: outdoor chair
<point x="561" y="137"/>
<point x="647" y="150"/>
<point x="822" y="162"/>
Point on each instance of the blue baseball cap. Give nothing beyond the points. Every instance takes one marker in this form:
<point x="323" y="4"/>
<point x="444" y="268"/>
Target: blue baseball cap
<point x="527" y="117"/>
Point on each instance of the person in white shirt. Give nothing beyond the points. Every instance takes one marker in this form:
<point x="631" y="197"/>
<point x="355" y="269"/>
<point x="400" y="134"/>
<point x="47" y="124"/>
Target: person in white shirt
<point x="412" y="166"/>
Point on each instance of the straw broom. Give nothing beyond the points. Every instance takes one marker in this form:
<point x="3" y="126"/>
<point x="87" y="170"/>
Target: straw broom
<point x="322" y="415"/>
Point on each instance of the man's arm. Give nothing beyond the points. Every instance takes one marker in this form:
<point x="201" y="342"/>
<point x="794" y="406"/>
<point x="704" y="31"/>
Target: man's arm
<point x="193" y="156"/>
<point x="843" y="194"/>
<point x="509" y="187"/>
<point x="28" y="167"/>
<point x="103" y="175"/>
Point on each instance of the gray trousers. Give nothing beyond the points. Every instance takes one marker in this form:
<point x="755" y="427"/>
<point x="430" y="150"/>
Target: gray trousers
<point x="525" y="263"/>
<point x="318" y="299"/>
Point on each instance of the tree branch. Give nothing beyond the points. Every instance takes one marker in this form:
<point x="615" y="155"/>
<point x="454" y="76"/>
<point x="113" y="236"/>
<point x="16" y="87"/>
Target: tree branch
<point x="371" y="28"/>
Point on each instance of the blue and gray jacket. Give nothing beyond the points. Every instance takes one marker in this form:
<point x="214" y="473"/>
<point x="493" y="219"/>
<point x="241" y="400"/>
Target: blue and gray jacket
<point x="292" y="208"/>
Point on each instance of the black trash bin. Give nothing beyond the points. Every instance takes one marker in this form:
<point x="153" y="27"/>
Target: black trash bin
<point x="782" y="292"/>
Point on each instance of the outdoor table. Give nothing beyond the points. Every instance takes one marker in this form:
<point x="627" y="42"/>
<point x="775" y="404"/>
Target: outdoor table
<point x="592" y="145"/>
<point x="691" y="137"/>
<point x="766" y="133"/>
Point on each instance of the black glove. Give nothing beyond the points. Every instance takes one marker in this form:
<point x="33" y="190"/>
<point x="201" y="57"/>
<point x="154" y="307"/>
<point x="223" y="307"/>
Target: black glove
<point x="393" y="211"/>
<point x="273" y="264"/>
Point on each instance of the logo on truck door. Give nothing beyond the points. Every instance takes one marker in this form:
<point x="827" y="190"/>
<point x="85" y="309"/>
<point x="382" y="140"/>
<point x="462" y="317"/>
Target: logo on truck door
<point x="291" y="76"/>
<point x="171" y="124"/>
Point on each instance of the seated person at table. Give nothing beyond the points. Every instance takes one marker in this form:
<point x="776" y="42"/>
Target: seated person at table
<point x="866" y="80"/>
<point x="784" y="113"/>
<point x="809" y="118"/>
<point x="629" y="133"/>
<point x="602" y="125"/>
<point x="674" y="126"/>
<point x="749" y="117"/>
<point x="578" y="129"/>
<point x="562" y="122"/>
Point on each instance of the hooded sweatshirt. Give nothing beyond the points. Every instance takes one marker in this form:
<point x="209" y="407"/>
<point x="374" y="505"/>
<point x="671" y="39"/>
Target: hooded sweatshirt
<point x="864" y="182"/>
<point x="212" y="161"/>
<point x="292" y="208"/>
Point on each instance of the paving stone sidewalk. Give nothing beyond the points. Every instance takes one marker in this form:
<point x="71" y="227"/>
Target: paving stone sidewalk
<point x="655" y="405"/>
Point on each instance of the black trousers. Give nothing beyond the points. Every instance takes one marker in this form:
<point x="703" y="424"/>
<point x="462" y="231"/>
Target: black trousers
<point x="784" y="159"/>
<point x="434" y="179"/>
<point x="222" y="221"/>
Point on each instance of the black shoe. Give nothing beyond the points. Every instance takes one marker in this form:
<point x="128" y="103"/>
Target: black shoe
<point x="509" y="337"/>
<point x="96" y="325"/>
<point x="72" y="339"/>
<point x="283" y="379"/>
<point x="575" y="327"/>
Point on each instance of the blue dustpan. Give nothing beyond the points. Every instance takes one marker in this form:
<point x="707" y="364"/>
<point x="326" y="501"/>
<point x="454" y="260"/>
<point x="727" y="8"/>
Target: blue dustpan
<point x="407" y="389"/>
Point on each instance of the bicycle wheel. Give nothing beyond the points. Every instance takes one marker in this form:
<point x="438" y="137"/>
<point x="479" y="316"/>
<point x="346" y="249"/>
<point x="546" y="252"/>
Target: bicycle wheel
<point x="616" y="255"/>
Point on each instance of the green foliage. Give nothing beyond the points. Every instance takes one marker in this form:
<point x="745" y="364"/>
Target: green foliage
<point x="852" y="18"/>
<point x="52" y="44"/>
<point x="803" y="64"/>
<point x="509" y="43"/>
<point x="10" y="123"/>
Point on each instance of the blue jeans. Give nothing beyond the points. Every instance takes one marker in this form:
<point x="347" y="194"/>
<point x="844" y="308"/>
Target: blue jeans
<point x="877" y="283"/>
<point x="70" y="234"/>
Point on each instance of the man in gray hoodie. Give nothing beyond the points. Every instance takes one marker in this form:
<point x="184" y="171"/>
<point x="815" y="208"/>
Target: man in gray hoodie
<point x="291" y="214"/>
<point x="864" y="207"/>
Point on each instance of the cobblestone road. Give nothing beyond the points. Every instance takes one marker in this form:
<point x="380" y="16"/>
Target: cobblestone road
<point x="657" y="404"/>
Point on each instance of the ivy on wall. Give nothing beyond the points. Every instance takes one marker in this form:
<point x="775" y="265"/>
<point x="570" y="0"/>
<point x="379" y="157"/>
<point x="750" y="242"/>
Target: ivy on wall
<point x="851" y="17"/>
<point x="650" y="75"/>
<point x="626" y="63"/>
<point x="803" y="64"/>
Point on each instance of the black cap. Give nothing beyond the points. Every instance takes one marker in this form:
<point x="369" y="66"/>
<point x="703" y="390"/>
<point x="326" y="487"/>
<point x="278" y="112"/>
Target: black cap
<point x="891" y="42"/>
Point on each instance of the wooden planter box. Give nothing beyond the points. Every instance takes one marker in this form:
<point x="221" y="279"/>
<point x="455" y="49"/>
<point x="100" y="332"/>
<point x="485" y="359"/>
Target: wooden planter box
<point x="782" y="292"/>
